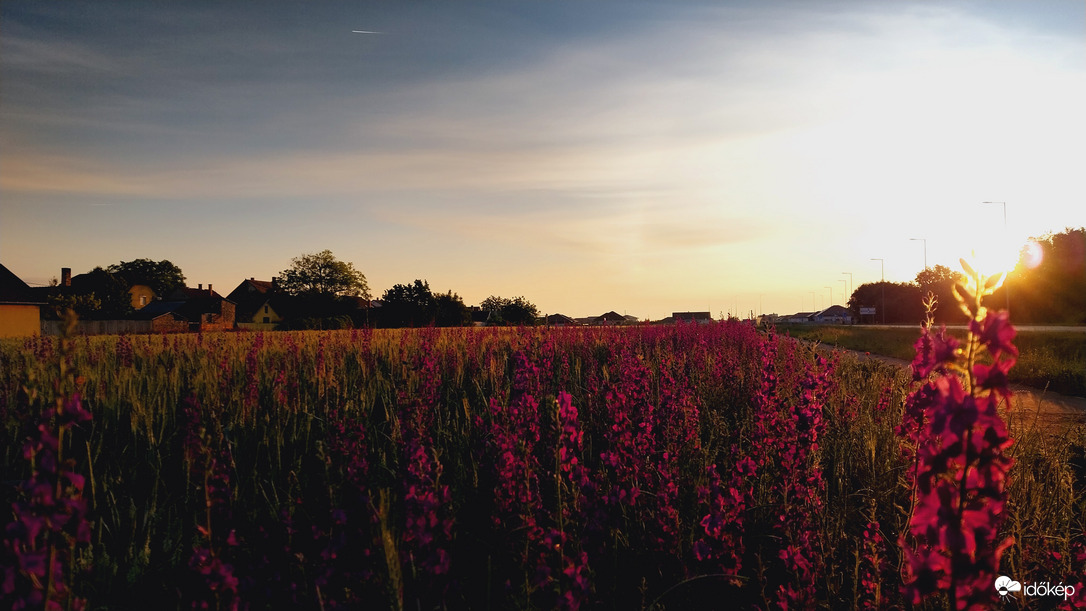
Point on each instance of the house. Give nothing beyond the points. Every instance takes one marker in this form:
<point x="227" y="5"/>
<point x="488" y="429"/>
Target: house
<point x="163" y="317"/>
<point x="560" y="320"/>
<point x="139" y="294"/>
<point x="834" y="315"/>
<point x="20" y="311"/>
<point x="799" y="317"/>
<point x="204" y="309"/>
<point x="610" y="318"/>
<point x="702" y="318"/>
<point x="259" y="305"/>
<point x="187" y="292"/>
<point x="92" y="282"/>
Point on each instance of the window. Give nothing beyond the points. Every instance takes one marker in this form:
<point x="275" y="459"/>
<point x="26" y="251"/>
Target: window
<point x="266" y="319"/>
<point x="143" y="300"/>
<point x="265" y="310"/>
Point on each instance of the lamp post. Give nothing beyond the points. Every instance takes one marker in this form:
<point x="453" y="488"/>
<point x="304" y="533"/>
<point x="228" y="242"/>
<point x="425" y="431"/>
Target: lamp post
<point x="849" y="274"/>
<point x="844" y="285"/>
<point x="882" y="263"/>
<point x="830" y="288"/>
<point x="925" y="241"/>
<point x="1006" y="287"/>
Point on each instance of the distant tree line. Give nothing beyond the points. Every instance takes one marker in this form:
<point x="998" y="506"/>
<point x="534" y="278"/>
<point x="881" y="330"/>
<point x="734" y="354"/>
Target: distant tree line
<point x="323" y="292"/>
<point x="1048" y="285"/>
<point x="335" y="295"/>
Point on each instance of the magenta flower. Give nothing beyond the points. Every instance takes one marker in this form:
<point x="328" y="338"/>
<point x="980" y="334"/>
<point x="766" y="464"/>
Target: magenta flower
<point x="933" y="352"/>
<point x="952" y="544"/>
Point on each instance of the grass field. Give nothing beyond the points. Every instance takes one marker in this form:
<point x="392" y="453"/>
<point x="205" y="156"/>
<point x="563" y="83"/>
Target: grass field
<point x="622" y="468"/>
<point x="1055" y="361"/>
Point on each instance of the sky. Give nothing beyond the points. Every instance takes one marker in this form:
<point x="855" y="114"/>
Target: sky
<point x="638" y="157"/>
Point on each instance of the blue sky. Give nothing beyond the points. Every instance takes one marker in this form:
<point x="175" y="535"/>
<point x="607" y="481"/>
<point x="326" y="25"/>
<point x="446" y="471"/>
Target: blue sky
<point x="590" y="156"/>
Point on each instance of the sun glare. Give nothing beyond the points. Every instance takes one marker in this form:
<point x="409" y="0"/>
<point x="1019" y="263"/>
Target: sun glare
<point x="995" y="259"/>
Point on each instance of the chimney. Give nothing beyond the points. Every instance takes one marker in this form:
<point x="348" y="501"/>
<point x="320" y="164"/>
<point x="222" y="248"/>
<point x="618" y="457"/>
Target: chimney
<point x="65" y="276"/>
<point x="209" y="291"/>
<point x="200" y="287"/>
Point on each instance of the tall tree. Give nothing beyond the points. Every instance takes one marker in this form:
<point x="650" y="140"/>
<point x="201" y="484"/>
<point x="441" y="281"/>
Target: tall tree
<point x="515" y="311"/>
<point x="408" y="305"/>
<point x="162" y="276"/>
<point x="902" y="302"/>
<point x="1049" y="283"/>
<point x="450" y="310"/>
<point x="322" y="275"/>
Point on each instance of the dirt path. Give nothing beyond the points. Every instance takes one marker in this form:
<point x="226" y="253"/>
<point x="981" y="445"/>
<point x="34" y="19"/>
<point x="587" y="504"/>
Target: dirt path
<point x="1030" y="407"/>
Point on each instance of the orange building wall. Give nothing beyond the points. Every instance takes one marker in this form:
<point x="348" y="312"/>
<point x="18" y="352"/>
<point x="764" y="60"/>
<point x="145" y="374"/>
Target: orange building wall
<point x="17" y="320"/>
<point x="141" y="290"/>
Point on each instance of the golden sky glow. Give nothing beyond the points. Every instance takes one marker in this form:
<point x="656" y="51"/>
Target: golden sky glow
<point x="639" y="158"/>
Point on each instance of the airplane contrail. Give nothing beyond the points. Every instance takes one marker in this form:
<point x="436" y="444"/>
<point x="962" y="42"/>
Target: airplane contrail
<point x="365" y="32"/>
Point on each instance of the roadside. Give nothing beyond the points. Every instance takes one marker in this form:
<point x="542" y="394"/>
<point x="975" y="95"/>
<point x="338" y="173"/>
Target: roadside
<point x="1030" y="407"/>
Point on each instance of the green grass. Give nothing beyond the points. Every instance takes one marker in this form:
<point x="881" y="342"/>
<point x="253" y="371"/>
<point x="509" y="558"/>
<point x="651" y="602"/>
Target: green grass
<point x="1053" y="361"/>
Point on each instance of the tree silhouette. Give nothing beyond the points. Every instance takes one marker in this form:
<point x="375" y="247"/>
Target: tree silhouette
<point x="162" y="276"/>
<point x="903" y="301"/>
<point x="1053" y="289"/>
<point x="322" y="275"/>
<point x="515" y="311"/>
<point x="406" y="305"/>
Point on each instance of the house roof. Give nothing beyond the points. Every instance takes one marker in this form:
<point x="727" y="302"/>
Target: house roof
<point x="187" y="292"/>
<point x="249" y="288"/>
<point x="190" y="309"/>
<point x="611" y="316"/>
<point x="251" y="295"/>
<point x="691" y="316"/>
<point x="157" y="309"/>
<point x="835" y="310"/>
<point x="560" y="319"/>
<point x="14" y="290"/>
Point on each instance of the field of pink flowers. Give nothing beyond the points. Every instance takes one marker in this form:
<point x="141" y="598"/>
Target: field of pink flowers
<point x="591" y="468"/>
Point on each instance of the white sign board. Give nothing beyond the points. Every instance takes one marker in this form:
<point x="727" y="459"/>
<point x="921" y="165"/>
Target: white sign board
<point x="867" y="311"/>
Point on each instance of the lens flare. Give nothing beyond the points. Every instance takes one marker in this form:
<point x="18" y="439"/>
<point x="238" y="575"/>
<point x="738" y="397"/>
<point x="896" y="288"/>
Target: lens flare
<point x="1032" y="255"/>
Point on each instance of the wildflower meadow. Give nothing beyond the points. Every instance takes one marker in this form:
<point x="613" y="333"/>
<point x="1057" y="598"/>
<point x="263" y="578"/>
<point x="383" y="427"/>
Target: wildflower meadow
<point x="647" y="467"/>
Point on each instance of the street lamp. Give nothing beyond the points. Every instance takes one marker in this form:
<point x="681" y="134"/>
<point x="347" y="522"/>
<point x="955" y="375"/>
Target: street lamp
<point x="1006" y="287"/>
<point x="882" y="263"/>
<point x="849" y="283"/>
<point x="831" y="295"/>
<point x="844" y="285"/>
<point x="925" y="241"/>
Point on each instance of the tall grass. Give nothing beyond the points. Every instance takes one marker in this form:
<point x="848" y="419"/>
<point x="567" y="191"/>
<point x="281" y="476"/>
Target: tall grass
<point x="643" y="467"/>
<point x="1047" y="360"/>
